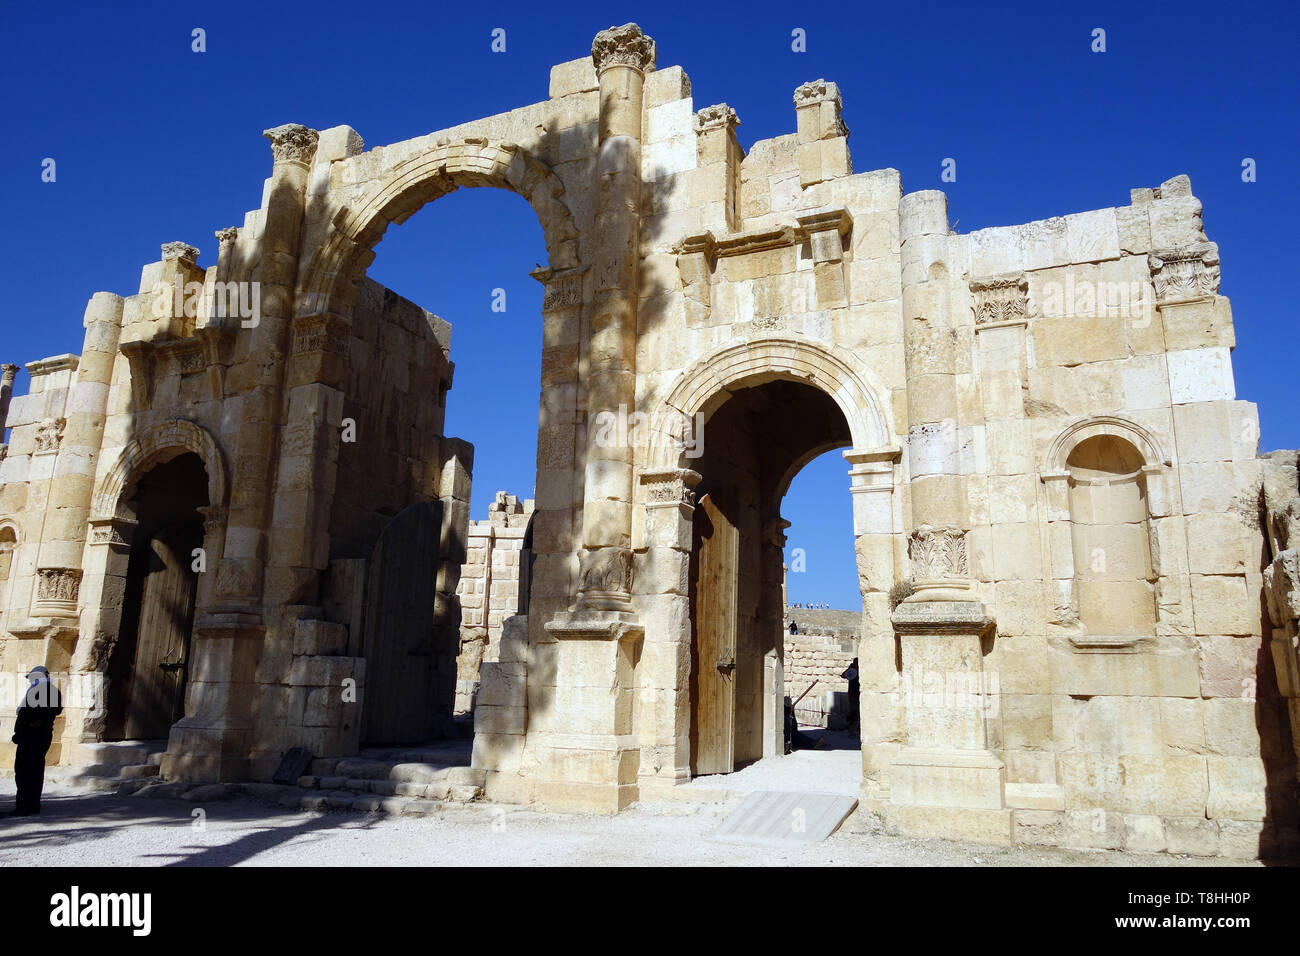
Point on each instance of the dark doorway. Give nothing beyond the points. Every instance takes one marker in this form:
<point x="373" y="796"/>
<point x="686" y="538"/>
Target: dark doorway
<point x="149" y="665"/>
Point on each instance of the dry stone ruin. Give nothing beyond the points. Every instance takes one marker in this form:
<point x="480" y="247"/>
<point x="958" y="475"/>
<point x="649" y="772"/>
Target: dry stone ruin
<point x="1039" y="425"/>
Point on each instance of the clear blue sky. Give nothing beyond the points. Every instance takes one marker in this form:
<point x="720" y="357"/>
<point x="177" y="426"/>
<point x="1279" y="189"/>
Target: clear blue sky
<point x="154" y="143"/>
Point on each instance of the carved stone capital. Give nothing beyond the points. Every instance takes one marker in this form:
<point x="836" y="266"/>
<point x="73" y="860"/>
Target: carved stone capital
<point x="49" y="432"/>
<point x="938" y="554"/>
<point x="1003" y="298"/>
<point x="292" y="143"/>
<point x="1191" y="272"/>
<point x="606" y="576"/>
<point x="720" y="116"/>
<point x="57" y="591"/>
<point x="818" y="91"/>
<point x="229" y="234"/>
<point x="563" y="289"/>
<point x="623" y="46"/>
<point x="671" y="486"/>
<point x="179" y="250"/>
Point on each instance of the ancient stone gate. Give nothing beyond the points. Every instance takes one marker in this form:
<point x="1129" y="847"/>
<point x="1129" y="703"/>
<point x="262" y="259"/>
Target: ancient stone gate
<point x="1039" y="425"/>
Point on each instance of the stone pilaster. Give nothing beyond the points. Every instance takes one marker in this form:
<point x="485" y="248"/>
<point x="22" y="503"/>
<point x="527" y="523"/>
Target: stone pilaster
<point x="240" y="572"/>
<point x="622" y="55"/>
<point x="594" y="764"/>
<point x="944" y="781"/>
<point x="7" y="373"/>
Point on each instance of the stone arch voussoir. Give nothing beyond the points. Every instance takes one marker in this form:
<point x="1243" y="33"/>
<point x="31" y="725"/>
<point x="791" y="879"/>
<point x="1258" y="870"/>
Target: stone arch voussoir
<point x="158" y="444"/>
<point x="412" y="183"/>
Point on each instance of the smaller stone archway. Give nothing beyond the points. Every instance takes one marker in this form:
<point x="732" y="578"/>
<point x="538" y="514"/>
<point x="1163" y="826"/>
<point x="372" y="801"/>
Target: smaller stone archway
<point x="156" y="445"/>
<point x="141" y="579"/>
<point x="789" y="400"/>
<point x="707" y="384"/>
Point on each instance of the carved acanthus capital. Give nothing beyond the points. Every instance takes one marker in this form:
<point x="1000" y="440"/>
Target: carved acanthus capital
<point x="1002" y="298"/>
<point x="937" y="553"/>
<point x="49" y="432"/>
<point x="720" y="116"/>
<point x="292" y="143"/>
<point x="58" y="588"/>
<point x="179" y="250"/>
<point x="623" y="46"/>
<point x="1186" y="273"/>
<point x="7" y="373"/>
<point x="229" y="234"/>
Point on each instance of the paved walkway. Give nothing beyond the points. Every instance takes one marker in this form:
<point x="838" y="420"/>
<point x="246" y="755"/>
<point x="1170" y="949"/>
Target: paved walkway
<point x="87" y="828"/>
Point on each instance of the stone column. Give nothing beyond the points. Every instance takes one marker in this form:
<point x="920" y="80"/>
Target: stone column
<point x="590" y="759"/>
<point x="945" y="781"/>
<point x="260" y="382"/>
<point x="622" y="56"/>
<point x="7" y="373"/>
<point x="59" y="567"/>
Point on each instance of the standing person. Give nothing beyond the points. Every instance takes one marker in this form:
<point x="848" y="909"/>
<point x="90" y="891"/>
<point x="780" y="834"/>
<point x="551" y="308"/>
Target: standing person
<point x="855" y="692"/>
<point x="33" y="733"/>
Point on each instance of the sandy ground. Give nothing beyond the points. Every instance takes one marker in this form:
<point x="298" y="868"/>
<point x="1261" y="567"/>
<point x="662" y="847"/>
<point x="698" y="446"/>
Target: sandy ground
<point x="89" y="828"/>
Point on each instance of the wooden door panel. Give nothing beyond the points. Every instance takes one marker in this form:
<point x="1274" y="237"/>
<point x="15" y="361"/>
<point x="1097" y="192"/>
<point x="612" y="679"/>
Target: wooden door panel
<point x="398" y="636"/>
<point x="157" y="688"/>
<point x="714" y="619"/>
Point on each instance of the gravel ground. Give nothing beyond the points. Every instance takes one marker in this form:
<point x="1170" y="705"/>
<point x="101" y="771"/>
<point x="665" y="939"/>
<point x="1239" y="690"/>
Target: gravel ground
<point x="89" y="828"/>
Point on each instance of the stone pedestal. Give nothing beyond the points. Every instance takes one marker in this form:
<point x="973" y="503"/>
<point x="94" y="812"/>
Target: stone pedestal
<point x="945" y="782"/>
<point x="592" y="764"/>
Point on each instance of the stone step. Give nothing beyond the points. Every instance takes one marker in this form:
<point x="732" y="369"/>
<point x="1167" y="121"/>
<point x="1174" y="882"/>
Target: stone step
<point x="459" y="784"/>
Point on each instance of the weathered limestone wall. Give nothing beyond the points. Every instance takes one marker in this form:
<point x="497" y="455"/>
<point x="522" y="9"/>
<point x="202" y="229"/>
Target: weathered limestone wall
<point x="1039" y="422"/>
<point x="823" y="649"/>
<point x="493" y="586"/>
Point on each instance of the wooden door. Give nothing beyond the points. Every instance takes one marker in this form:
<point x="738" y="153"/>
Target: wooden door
<point x="398" y="636"/>
<point x="156" y="698"/>
<point x="714" y="566"/>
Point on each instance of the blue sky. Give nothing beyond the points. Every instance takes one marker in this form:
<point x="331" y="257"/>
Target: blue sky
<point x="154" y="142"/>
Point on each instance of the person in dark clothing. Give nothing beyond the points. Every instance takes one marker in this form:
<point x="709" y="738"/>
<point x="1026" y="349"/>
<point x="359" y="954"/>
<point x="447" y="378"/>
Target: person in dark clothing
<point x="33" y="733"/>
<point x="855" y="693"/>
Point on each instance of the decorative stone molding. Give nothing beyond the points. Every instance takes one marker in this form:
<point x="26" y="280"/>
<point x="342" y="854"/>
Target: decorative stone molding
<point x="188" y="355"/>
<point x="158" y="444"/>
<point x="720" y="116"/>
<point x="112" y="531"/>
<point x="821" y="97"/>
<point x="1144" y="441"/>
<point x="320" y="333"/>
<point x="825" y="230"/>
<point x="563" y="289"/>
<point x="607" y="570"/>
<point x="58" y="363"/>
<point x="292" y="143"/>
<point x="623" y="46"/>
<point x="57" y="589"/>
<point x="1187" y="273"/>
<point x="229" y="234"/>
<point x="49" y="432"/>
<point x="937" y="553"/>
<point x="815" y="92"/>
<point x="179" y="250"/>
<point x="670" y="486"/>
<point x="1001" y="299"/>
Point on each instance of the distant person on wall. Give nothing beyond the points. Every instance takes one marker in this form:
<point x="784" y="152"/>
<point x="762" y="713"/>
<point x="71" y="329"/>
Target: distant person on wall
<point x="33" y="733"/>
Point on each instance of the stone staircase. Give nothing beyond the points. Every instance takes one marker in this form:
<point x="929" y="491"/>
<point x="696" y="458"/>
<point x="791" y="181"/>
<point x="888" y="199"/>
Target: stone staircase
<point x="120" y="765"/>
<point x="393" y="779"/>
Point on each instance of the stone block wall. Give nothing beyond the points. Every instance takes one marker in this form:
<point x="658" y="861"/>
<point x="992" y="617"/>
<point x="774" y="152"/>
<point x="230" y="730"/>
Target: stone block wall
<point x="493" y="586"/>
<point x="825" y="646"/>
